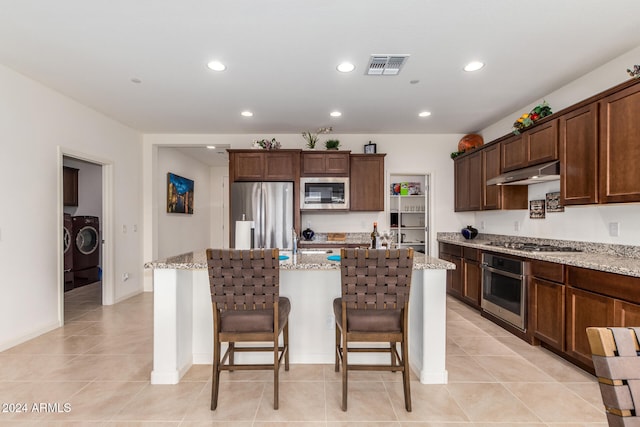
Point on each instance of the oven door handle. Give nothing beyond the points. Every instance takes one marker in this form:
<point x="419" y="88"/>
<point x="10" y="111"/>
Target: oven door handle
<point x="501" y="272"/>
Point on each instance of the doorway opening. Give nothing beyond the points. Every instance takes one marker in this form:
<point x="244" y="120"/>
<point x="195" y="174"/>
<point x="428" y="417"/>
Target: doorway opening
<point x="84" y="206"/>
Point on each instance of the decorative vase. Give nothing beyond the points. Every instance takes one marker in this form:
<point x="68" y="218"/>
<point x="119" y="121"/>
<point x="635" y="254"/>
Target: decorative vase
<point x="469" y="232"/>
<point x="308" y="234"/>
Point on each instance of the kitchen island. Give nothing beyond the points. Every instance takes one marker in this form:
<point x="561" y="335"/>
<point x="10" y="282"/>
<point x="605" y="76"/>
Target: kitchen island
<point x="183" y="318"/>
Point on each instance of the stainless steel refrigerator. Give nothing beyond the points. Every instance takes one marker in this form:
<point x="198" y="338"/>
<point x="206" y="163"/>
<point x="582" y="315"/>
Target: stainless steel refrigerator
<point x="270" y="206"/>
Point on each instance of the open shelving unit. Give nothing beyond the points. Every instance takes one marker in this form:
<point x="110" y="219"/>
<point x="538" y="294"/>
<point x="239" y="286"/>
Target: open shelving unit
<point x="408" y="211"/>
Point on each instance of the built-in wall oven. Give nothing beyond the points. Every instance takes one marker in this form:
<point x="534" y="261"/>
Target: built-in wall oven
<point x="504" y="288"/>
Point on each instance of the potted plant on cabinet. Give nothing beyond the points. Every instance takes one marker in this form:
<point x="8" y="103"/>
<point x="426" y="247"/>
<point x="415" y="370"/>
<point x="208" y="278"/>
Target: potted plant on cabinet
<point x="332" y="144"/>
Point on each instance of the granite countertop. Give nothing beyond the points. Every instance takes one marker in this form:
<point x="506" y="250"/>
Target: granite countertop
<point x="619" y="259"/>
<point x="197" y="260"/>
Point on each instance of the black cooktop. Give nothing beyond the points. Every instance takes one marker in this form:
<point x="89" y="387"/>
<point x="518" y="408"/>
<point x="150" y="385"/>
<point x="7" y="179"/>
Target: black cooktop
<point x="533" y="247"/>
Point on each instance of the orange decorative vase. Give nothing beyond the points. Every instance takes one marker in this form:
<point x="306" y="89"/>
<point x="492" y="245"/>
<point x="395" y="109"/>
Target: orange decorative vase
<point x="470" y="141"/>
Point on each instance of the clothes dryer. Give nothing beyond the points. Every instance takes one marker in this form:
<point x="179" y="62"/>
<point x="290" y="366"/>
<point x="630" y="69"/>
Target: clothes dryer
<point x="86" y="249"/>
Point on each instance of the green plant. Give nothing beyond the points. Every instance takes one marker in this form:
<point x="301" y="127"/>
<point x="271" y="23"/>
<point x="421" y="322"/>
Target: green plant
<point x="312" y="137"/>
<point x="332" y="144"/>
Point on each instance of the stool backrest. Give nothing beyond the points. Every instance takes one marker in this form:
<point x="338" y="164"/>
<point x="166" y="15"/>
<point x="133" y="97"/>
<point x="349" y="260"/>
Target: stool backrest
<point x="377" y="279"/>
<point x="244" y="279"/>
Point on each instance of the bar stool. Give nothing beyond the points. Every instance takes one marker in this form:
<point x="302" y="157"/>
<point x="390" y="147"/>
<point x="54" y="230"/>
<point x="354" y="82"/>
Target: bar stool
<point x="245" y="294"/>
<point x="374" y="308"/>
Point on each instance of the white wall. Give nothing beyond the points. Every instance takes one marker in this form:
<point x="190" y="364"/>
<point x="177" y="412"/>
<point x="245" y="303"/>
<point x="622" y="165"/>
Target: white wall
<point x="36" y="123"/>
<point x="180" y="233"/>
<point x="584" y="223"/>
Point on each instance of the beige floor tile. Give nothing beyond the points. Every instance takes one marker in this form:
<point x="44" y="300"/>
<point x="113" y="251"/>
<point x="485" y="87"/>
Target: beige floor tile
<point x="75" y="344"/>
<point x="160" y="403"/>
<point x="198" y="373"/>
<point x="303" y="373"/>
<point x="367" y="401"/>
<point x="588" y="391"/>
<point x="560" y="369"/>
<point x="463" y="328"/>
<point x="26" y="397"/>
<point x="453" y="349"/>
<point x="123" y="344"/>
<point x="27" y="367"/>
<point x="429" y="402"/>
<point x="483" y="346"/>
<point x="542" y="399"/>
<point x="237" y="402"/>
<point x="108" y="368"/>
<point x="217" y="424"/>
<point x="331" y="375"/>
<point x="466" y="369"/>
<point x="298" y="401"/>
<point x="512" y="369"/>
<point x="483" y="402"/>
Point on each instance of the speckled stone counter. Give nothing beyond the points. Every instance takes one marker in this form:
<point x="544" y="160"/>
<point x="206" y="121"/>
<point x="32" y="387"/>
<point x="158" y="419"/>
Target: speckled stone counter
<point x="183" y="321"/>
<point x="304" y="260"/>
<point x="619" y="259"/>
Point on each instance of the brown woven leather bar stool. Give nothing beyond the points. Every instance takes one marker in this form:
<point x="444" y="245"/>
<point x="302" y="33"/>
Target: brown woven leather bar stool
<point x="374" y="308"/>
<point x="615" y="358"/>
<point x="245" y="294"/>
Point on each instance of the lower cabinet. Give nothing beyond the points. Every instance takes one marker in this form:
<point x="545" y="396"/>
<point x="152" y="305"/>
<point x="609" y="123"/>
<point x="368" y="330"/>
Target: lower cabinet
<point x="626" y="313"/>
<point x="547" y="304"/>
<point x="471" y="277"/>
<point x="585" y="309"/>
<point x="453" y="254"/>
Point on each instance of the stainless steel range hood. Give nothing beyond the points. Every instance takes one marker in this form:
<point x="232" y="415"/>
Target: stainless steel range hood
<point x="531" y="175"/>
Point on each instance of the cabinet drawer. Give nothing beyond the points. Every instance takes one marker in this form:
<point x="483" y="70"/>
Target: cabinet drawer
<point x="449" y="249"/>
<point x="548" y="270"/>
<point x="626" y="288"/>
<point x="471" y="254"/>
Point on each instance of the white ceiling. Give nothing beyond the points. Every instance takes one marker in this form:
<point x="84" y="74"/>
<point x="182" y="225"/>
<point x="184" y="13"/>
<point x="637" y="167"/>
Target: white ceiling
<point x="282" y="55"/>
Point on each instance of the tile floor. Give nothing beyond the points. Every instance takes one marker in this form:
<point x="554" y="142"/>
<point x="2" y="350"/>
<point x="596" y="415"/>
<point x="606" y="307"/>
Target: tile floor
<point x="98" y="364"/>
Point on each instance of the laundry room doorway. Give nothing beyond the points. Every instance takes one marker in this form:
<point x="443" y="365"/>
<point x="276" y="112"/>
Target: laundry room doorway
<point x="85" y="282"/>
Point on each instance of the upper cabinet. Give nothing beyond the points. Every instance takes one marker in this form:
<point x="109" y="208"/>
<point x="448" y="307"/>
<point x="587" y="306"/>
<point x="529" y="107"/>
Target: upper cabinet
<point x="264" y="165"/>
<point x="70" y="186"/>
<point x="468" y="182"/>
<point x="366" y="182"/>
<point x="532" y="147"/>
<point x="328" y="163"/>
<point x="619" y="148"/>
<point x="499" y="196"/>
<point x="579" y="156"/>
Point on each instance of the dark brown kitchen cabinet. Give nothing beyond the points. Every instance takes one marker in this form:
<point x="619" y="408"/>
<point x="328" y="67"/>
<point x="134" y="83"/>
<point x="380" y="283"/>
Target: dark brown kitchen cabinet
<point x="626" y="313"/>
<point x="329" y="163"/>
<point x="619" y="148"/>
<point x="70" y="186"/>
<point x="579" y="156"/>
<point x="468" y="182"/>
<point x="471" y="276"/>
<point x="453" y="254"/>
<point x="585" y="309"/>
<point x="262" y="165"/>
<point x="532" y="147"/>
<point x="366" y="182"/>
<point x="547" y="304"/>
<point x="499" y="196"/>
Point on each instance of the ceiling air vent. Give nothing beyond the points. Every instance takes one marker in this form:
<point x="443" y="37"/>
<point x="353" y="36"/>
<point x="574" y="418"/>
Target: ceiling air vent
<point x="386" y="65"/>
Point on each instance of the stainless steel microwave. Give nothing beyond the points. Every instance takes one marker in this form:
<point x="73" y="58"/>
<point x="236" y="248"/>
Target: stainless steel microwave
<point x="324" y="193"/>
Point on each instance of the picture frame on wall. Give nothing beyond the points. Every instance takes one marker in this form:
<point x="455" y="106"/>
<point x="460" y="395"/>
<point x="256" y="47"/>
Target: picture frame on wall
<point x="536" y="209"/>
<point x="553" y="202"/>
<point x="180" y="192"/>
<point x="370" y="148"/>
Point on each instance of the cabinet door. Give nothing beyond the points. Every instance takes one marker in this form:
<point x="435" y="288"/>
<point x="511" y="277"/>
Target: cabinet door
<point x="490" y="169"/>
<point x="619" y="148"/>
<point x="514" y="153"/>
<point x="585" y="309"/>
<point x="454" y="277"/>
<point x="626" y="314"/>
<point x="542" y="143"/>
<point x="281" y="166"/>
<point x="366" y="182"/>
<point x="471" y="284"/>
<point x="579" y="156"/>
<point x="247" y="166"/>
<point x="468" y="182"/>
<point x="547" y="303"/>
<point x="325" y="164"/>
<point x="70" y="186"/>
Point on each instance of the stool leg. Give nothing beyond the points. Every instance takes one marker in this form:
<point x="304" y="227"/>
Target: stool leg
<point x="215" y="380"/>
<point x="406" y="374"/>
<point x="338" y="337"/>
<point x="286" y="346"/>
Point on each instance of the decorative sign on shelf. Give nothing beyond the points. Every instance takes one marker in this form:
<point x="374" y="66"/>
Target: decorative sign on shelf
<point x="553" y="202"/>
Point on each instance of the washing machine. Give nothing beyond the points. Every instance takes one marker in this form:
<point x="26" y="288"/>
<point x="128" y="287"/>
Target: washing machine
<point x="67" y="232"/>
<point x="85" y="241"/>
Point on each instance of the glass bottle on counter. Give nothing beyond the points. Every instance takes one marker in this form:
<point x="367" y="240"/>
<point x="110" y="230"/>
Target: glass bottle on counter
<point x="375" y="237"/>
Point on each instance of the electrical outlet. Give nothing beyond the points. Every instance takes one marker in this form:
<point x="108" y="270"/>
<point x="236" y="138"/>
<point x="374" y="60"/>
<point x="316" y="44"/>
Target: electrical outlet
<point x="124" y="229"/>
<point x="614" y="229"/>
<point x="125" y="277"/>
<point x="330" y="322"/>
<point x="481" y="225"/>
<point x="516" y="226"/>
<point x="135" y="228"/>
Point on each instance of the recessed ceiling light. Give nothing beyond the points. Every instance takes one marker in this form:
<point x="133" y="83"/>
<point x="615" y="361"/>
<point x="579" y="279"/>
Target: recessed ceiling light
<point x="217" y="66"/>
<point x="136" y="80"/>
<point x="414" y="82"/>
<point x="346" y="67"/>
<point x="247" y="114"/>
<point x="335" y="114"/>
<point x="211" y="147"/>
<point x="474" y="66"/>
<point x="425" y="114"/>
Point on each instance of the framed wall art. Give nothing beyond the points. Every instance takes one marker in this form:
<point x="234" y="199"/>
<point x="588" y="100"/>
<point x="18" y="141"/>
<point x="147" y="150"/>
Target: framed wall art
<point x="536" y="209"/>
<point x="370" y="148"/>
<point x="553" y="202"/>
<point x="179" y="194"/>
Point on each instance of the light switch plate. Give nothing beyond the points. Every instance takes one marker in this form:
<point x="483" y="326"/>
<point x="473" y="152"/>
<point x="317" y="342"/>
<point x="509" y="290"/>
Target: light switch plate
<point x="614" y="229"/>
